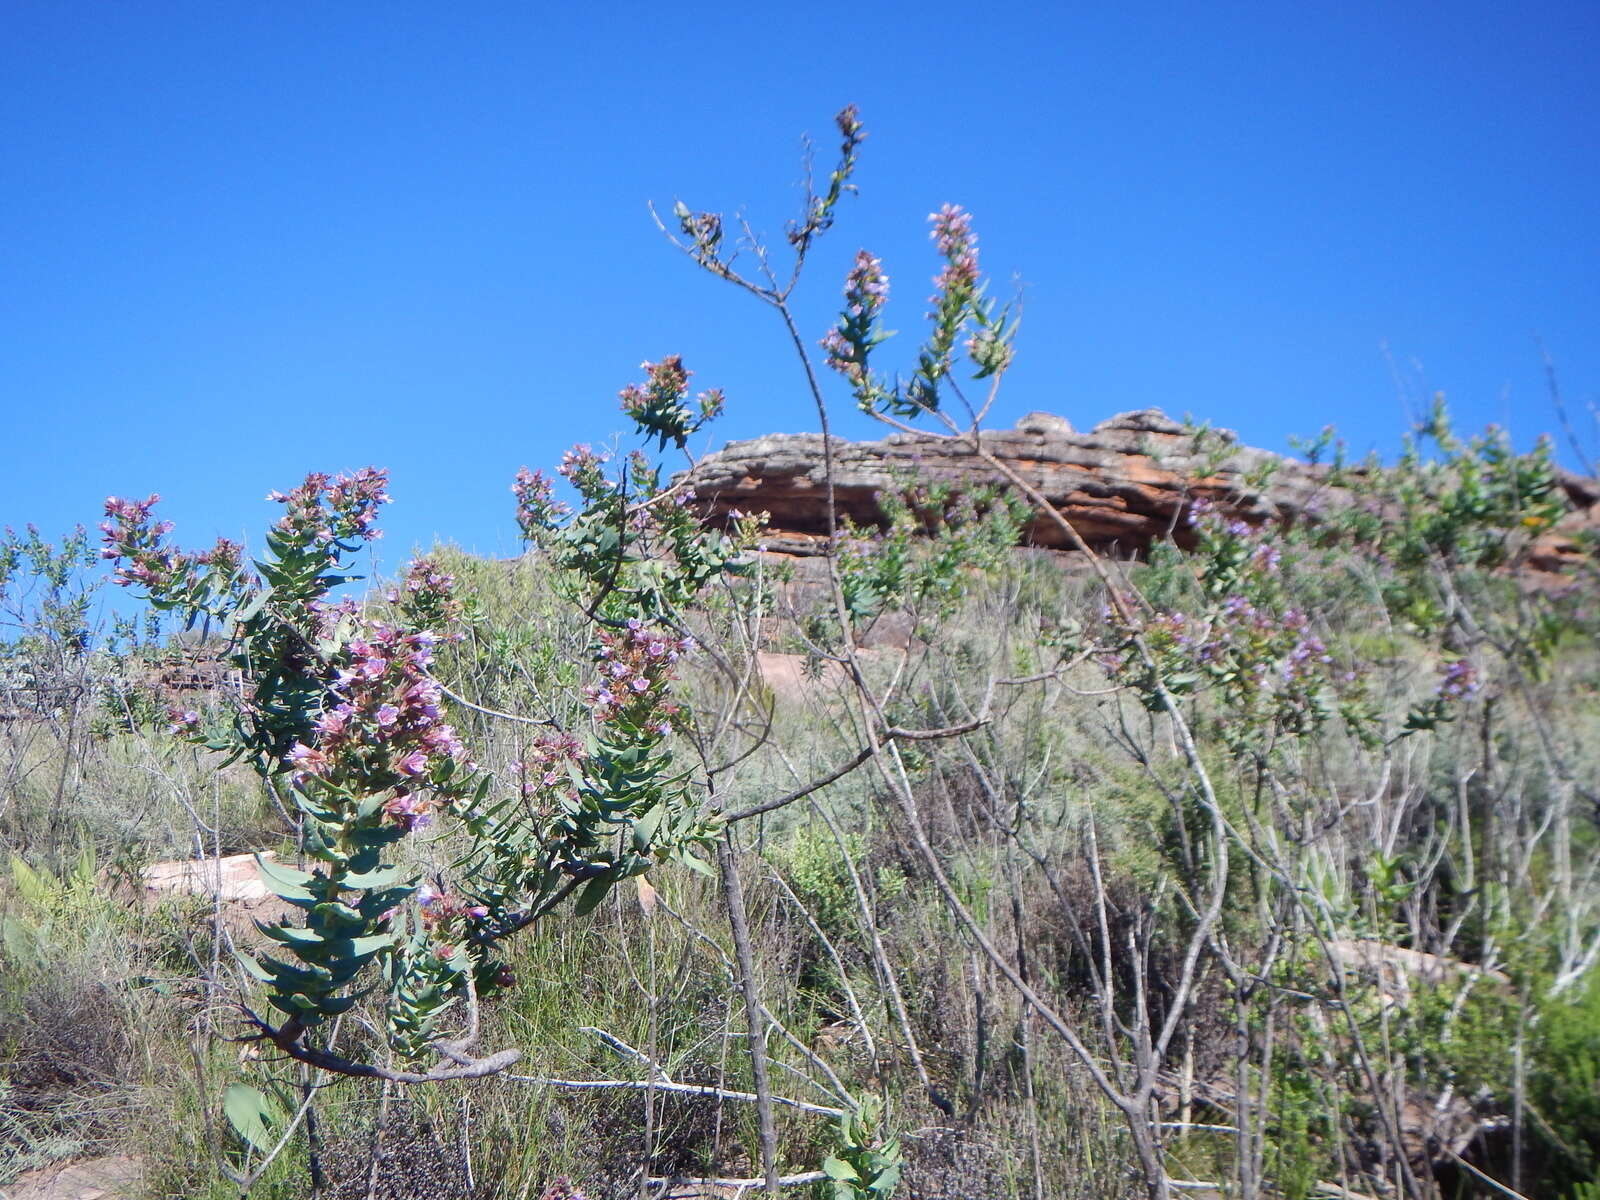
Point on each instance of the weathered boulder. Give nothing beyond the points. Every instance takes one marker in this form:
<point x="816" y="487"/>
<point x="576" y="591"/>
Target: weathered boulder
<point x="1122" y="485"/>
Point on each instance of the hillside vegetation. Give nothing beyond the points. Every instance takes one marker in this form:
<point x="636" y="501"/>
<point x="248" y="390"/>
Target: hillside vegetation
<point x="652" y="864"/>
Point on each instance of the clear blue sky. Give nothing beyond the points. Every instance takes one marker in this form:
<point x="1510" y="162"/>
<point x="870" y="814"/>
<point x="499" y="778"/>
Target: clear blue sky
<point x="241" y="241"/>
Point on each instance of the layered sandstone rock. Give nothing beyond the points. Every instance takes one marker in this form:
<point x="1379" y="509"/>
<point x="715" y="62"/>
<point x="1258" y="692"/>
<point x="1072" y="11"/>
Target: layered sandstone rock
<point x="1125" y="483"/>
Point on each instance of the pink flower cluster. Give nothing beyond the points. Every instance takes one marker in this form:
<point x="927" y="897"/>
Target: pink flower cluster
<point x="447" y="916"/>
<point x="537" y="507"/>
<point x="634" y="669"/>
<point x="866" y="291"/>
<point x="385" y="732"/>
<point x="438" y="907"/>
<point x="582" y="467"/>
<point x="657" y="405"/>
<point x="848" y="119"/>
<point x="544" y="764"/>
<point x="425" y="576"/>
<point x="952" y="234"/>
<point x="136" y="545"/>
<point x="324" y="509"/>
<point x="1199" y="509"/>
<point x="665" y="383"/>
<point x="428" y="599"/>
<point x="1242" y="648"/>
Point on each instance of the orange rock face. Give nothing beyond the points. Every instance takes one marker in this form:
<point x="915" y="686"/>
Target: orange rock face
<point x="1124" y="484"/>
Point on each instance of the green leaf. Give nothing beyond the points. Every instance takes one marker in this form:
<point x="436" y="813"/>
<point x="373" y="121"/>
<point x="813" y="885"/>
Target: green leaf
<point x="369" y="806"/>
<point x="287" y="883"/>
<point x="836" y="1168"/>
<point x="381" y="877"/>
<point x="361" y="947"/>
<point x="334" y="1006"/>
<point x="337" y="914"/>
<point x="695" y="864"/>
<point x="251" y="966"/>
<point x="593" y="892"/>
<point x="252" y="1115"/>
<point x="291" y="935"/>
<point x="886" y="1180"/>
<point x="252" y="607"/>
<point x="289" y="977"/>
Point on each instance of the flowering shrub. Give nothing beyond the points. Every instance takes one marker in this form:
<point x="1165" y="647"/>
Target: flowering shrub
<point x="958" y="305"/>
<point x="1246" y="639"/>
<point x="635" y="549"/>
<point x="343" y="717"/>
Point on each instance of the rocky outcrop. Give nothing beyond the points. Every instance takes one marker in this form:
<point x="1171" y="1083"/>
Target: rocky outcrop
<point x="1122" y="485"/>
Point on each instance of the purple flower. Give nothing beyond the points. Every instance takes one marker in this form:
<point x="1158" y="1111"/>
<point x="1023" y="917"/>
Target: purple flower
<point x="952" y="229"/>
<point x="307" y="760"/>
<point x="424" y="691"/>
<point x="1460" y="680"/>
<point x="414" y="763"/>
<point x="1237" y="606"/>
<point x="388" y="715"/>
<point x="408" y="812"/>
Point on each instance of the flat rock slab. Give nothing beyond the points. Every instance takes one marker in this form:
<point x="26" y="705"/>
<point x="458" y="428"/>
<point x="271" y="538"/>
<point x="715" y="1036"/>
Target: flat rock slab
<point x="230" y="879"/>
<point x="115" y="1177"/>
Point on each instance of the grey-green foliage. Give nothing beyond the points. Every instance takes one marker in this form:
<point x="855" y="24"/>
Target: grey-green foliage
<point x="937" y="539"/>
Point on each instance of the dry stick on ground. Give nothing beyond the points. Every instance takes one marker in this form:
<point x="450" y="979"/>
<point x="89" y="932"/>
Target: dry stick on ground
<point x="288" y="1038"/>
<point x="658" y="1080"/>
<point x="704" y="1090"/>
<point x="694" y="1189"/>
